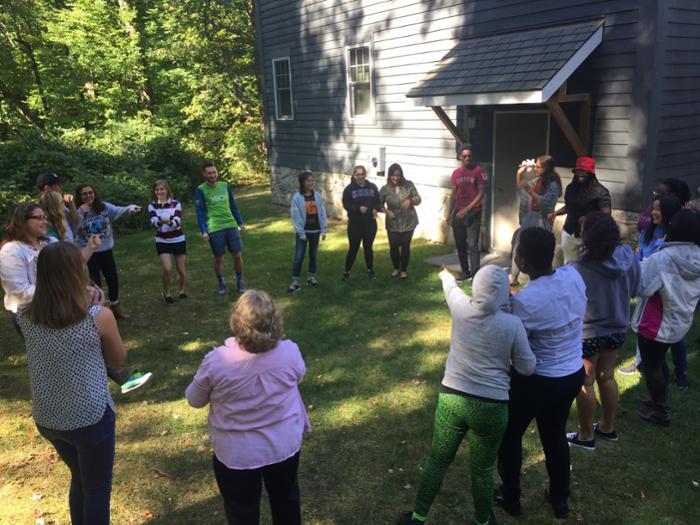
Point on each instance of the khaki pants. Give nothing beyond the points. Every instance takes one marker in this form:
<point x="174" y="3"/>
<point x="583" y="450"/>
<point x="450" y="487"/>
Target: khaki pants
<point x="571" y="247"/>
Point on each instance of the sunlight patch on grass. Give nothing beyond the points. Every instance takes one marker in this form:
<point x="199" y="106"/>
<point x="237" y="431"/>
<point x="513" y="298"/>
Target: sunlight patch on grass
<point x="401" y="399"/>
<point x="196" y="345"/>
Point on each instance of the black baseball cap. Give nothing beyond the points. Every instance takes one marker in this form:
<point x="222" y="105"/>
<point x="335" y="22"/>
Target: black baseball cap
<point x="48" y="178"/>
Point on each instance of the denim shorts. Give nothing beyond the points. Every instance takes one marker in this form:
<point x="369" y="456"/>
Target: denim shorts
<point x="228" y="238"/>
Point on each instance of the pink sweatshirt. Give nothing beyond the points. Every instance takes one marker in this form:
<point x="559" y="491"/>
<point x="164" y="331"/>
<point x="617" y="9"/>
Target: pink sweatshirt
<point x="257" y="416"/>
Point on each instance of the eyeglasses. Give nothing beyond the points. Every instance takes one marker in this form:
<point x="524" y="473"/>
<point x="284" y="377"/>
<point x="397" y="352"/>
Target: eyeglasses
<point x="38" y="217"/>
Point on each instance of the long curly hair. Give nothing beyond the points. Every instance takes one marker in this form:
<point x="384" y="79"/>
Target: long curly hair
<point x="97" y="204"/>
<point x="600" y="235"/>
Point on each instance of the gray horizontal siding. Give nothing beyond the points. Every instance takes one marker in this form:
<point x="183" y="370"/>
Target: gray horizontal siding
<point x="408" y="37"/>
<point x="678" y="135"/>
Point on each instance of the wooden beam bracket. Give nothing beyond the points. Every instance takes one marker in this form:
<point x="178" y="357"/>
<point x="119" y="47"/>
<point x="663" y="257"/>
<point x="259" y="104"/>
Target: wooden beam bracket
<point x="577" y="142"/>
<point x="447" y="122"/>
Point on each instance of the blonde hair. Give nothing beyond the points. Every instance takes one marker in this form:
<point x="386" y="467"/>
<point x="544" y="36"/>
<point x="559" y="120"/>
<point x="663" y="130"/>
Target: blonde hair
<point x="61" y="297"/>
<point x="358" y="167"/>
<point x="52" y="204"/>
<point x="164" y="183"/>
<point x="256" y="322"/>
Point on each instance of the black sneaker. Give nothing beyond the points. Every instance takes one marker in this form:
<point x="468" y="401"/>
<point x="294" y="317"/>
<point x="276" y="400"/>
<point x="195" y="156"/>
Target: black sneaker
<point x="607" y="436"/>
<point x="574" y="441"/>
<point x="371" y="275"/>
<point x="511" y="506"/>
<point x="168" y="299"/>
<point x="682" y="381"/>
<point x="294" y="288"/>
<point x="560" y="510"/>
<point x="311" y="281"/>
<point x="346" y="277"/>
<point x="407" y="519"/>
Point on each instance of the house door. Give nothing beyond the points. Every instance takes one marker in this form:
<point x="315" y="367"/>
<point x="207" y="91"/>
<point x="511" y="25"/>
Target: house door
<point x="518" y="135"/>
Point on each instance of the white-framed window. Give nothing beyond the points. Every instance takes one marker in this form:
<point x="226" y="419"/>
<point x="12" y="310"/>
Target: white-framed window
<point x="359" y="79"/>
<point x="282" y="83"/>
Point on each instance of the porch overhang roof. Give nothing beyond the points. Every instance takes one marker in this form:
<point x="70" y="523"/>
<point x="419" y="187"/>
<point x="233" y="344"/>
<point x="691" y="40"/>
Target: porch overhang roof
<point x="524" y="67"/>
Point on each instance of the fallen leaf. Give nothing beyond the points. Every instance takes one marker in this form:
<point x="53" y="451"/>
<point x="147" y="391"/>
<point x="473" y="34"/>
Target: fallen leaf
<point x="205" y="437"/>
<point x="36" y="496"/>
<point x="201" y="448"/>
<point x="642" y="495"/>
<point x="163" y="473"/>
<point x="148" y="515"/>
<point x="164" y="432"/>
<point x="696" y="484"/>
<point x="407" y="486"/>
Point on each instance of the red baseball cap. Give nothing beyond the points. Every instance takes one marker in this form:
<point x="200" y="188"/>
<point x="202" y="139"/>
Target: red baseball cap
<point x="585" y="164"/>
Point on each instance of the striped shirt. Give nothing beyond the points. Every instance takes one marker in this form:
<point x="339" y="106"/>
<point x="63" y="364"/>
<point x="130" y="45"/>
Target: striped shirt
<point x="158" y="213"/>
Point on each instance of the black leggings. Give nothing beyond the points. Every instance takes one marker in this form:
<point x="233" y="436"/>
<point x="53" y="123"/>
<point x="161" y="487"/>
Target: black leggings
<point x="361" y="232"/>
<point x="104" y="262"/>
<point x="547" y="400"/>
<point x="655" y="372"/>
<point x="241" y="490"/>
<point x="400" y="249"/>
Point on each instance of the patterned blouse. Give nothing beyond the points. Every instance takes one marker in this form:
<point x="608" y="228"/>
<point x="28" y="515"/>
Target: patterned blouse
<point x="67" y="373"/>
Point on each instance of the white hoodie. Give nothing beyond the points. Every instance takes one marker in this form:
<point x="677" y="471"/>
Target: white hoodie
<point x="670" y="289"/>
<point x="486" y="341"/>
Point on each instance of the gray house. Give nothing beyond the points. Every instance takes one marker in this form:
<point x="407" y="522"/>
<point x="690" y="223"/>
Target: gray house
<point x="350" y="82"/>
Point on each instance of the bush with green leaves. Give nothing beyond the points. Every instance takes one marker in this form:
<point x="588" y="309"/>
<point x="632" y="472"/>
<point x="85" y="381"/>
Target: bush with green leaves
<point x="122" y="161"/>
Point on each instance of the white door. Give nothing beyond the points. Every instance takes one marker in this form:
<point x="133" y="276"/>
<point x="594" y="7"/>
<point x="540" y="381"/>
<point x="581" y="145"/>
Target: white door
<point x="518" y="135"/>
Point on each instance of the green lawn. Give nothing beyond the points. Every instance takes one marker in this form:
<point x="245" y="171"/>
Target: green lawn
<point x="375" y="353"/>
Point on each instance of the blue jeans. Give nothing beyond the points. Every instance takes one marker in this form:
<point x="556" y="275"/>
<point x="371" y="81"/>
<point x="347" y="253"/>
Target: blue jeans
<point x="300" y="250"/>
<point x="89" y="454"/>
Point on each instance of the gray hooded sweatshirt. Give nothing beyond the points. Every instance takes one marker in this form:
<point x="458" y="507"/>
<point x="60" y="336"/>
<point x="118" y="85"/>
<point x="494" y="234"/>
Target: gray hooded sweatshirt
<point x="609" y="287"/>
<point x="486" y="341"/>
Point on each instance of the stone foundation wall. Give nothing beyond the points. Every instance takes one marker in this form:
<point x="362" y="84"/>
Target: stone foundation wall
<point x="284" y="183"/>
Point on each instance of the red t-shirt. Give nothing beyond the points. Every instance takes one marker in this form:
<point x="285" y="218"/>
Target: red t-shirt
<point x="467" y="181"/>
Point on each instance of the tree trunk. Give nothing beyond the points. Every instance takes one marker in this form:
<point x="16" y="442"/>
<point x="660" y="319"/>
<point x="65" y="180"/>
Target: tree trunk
<point x="145" y="86"/>
<point x="20" y="106"/>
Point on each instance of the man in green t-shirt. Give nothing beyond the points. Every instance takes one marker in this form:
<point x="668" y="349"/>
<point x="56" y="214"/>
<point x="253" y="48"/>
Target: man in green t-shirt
<point x="219" y="221"/>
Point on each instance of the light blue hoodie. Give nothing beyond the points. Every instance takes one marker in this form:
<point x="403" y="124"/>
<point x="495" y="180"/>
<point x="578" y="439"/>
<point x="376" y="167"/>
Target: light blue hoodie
<point x="298" y="213"/>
